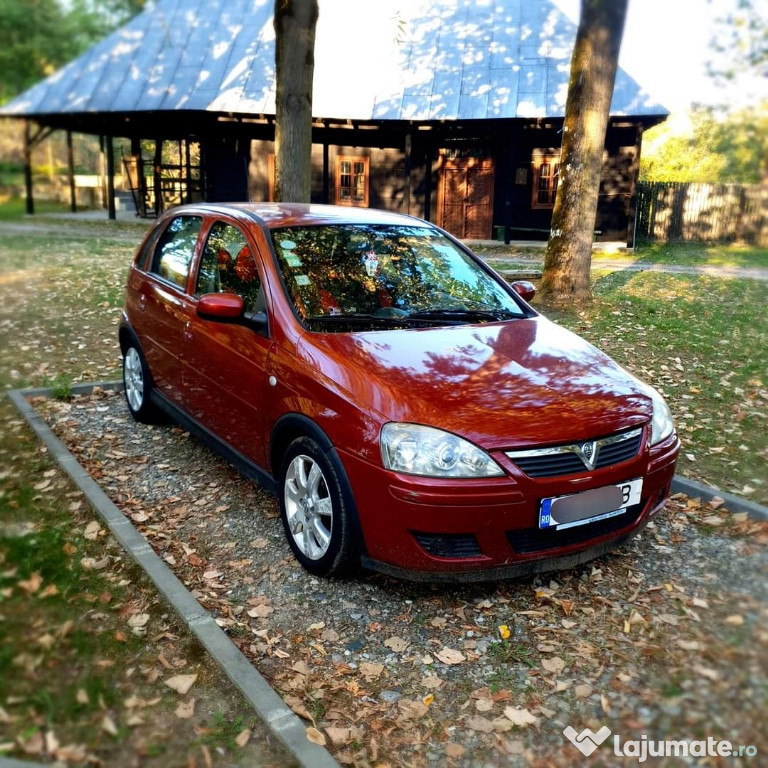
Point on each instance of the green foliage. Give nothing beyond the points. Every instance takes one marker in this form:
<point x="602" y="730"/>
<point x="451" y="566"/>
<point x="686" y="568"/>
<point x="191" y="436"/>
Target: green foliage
<point x="740" y="43"/>
<point x="719" y="149"/>
<point x="39" y="36"/>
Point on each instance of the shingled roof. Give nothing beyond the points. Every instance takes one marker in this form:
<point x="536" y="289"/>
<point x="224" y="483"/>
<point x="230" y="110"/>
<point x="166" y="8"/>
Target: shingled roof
<point x="388" y="60"/>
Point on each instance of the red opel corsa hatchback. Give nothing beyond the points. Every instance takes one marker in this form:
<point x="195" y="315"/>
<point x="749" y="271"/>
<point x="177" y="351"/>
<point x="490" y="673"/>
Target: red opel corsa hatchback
<point x="409" y="408"/>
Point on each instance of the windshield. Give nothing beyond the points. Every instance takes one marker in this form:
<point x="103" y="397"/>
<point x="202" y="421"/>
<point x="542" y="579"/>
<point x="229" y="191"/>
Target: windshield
<point x="358" y="276"/>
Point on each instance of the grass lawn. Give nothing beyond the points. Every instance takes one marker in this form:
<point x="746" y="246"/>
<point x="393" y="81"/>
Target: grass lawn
<point x="16" y="208"/>
<point x="703" y="342"/>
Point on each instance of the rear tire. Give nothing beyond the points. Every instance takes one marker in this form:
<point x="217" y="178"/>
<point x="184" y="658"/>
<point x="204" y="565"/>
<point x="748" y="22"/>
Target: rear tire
<point x="137" y="385"/>
<point x="316" y="516"/>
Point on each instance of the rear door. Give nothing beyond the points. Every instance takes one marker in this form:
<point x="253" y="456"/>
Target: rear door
<point x="224" y="364"/>
<point x="163" y="304"/>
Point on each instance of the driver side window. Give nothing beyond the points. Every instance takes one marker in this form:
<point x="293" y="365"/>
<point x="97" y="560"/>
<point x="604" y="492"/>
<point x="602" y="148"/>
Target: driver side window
<point x="228" y="266"/>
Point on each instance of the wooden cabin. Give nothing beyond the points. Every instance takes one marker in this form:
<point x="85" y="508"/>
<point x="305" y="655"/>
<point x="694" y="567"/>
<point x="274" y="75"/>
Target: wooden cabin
<point x="450" y="110"/>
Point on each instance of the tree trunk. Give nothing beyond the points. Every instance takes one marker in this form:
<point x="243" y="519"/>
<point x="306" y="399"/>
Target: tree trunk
<point x="593" y="74"/>
<point x="295" y="22"/>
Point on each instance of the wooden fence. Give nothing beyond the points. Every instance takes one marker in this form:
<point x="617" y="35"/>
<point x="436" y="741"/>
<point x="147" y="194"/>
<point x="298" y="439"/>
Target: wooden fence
<point x="673" y="211"/>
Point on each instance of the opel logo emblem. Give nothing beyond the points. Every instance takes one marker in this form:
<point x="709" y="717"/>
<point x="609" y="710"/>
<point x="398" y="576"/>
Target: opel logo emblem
<point x="588" y="449"/>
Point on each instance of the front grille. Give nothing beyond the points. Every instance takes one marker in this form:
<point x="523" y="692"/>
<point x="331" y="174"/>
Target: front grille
<point x="525" y="541"/>
<point x="449" y="544"/>
<point x="575" y="459"/>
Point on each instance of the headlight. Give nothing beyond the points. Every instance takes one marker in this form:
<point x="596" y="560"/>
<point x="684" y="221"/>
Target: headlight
<point x="430" y="452"/>
<point x="662" y="426"/>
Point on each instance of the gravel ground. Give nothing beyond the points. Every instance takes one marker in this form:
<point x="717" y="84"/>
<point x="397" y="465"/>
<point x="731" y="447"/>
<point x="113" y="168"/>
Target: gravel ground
<point x="666" y="637"/>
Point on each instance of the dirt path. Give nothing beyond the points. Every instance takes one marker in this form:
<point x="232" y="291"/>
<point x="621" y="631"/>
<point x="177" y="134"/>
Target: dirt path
<point x="534" y="262"/>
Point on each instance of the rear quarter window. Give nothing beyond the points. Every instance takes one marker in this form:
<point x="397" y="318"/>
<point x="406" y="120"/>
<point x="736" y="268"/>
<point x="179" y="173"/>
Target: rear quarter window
<point x="176" y="248"/>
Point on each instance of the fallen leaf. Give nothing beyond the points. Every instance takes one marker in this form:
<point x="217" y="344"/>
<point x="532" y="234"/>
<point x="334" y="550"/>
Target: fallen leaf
<point x="339" y="736"/>
<point x="397" y="644"/>
<point x="735" y="620"/>
<point x="454" y="750"/>
<point x="186" y="709"/>
<point x="315" y="736"/>
<point x="450" y="656"/>
<point x="504" y="632"/>
<point x="520" y="717"/>
<point x="31" y="585"/>
<point x="243" y="737"/>
<point x="479" y="723"/>
<point x="108" y="725"/>
<point x="412" y="710"/>
<point x="370" y="670"/>
<point x="260" y="611"/>
<point x="181" y="683"/>
<point x="555" y="665"/>
<point x="138" y="620"/>
<point x="428" y="699"/>
<point x="92" y="531"/>
<point x="582" y="691"/>
<point x="431" y="682"/>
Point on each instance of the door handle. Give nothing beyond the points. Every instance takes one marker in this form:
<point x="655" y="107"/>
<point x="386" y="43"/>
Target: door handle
<point x="188" y="335"/>
<point x="142" y="301"/>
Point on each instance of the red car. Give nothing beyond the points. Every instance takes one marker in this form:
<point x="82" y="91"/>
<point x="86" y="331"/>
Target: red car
<point x="409" y="408"/>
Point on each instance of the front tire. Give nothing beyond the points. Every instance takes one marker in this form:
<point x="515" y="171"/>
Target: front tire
<point x="137" y="385"/>
<point x="314" y="510"/>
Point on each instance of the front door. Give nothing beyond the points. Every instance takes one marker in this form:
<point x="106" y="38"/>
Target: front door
<point x="465" y="197"/>
<point x="224" y="364"/>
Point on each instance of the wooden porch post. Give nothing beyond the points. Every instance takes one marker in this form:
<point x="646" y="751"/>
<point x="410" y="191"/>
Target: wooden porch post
<point x="28" y="169"/>
<point x="326" y="175"/>
<point x="111" y="213"/>
<point x="634" y="174"/>
<point x="102" y="172"/>
<point x="407" y="173"/>
<point x="429" y="159"/>
<point x="71" y="170"/>
<point x="158" y="177"/>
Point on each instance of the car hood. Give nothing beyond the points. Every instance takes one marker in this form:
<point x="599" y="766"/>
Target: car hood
<point x="499" y="385"/>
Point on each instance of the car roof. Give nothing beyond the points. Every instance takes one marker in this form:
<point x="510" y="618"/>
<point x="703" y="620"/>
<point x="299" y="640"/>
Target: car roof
<point x="278" y="215"/>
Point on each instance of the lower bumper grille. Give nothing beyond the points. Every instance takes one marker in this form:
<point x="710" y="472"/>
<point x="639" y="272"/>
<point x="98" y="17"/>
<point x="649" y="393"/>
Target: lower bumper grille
<point x="529" y="540"/>
<point x="456" y="545"/>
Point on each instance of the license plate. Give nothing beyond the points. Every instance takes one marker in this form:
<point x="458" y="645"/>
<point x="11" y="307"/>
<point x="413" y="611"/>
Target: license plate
<point x="560" y="512"/>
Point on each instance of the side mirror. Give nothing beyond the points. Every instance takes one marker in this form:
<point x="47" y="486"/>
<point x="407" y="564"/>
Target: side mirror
<point x="220" y="306"/>
<point x="525" y="290"/>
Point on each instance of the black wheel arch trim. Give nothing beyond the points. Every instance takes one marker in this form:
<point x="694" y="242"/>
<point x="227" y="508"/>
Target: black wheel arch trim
<point x="302" y="425"/>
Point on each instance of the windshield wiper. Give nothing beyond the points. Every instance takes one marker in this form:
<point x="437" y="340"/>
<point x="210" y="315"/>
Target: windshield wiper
<point x="365" y="319"/>
<point x="462" y="315"/>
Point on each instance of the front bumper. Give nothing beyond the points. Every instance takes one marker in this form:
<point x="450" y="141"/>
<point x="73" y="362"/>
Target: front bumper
<point x="437" y="529"/>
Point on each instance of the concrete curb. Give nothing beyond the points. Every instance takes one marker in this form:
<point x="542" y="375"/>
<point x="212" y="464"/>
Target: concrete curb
<point x="706" y="493"/>
<point x="9" y="762"/>
<point x="278" y="718"/>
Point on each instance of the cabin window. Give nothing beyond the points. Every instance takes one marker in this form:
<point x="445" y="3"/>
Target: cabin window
<point x="352" y="180"/>
<point x="546" y="172"/>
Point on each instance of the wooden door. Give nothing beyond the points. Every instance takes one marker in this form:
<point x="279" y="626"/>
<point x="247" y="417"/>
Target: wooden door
<point x="465" y="197"/>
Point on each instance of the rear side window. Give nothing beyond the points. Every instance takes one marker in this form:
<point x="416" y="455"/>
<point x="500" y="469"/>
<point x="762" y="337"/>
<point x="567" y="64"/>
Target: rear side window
<point x="175" y="249"/>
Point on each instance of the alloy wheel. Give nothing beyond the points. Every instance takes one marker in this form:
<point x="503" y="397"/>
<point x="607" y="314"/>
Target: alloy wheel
<point x="134" y="379"/>
<point x="308" y="507"/>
